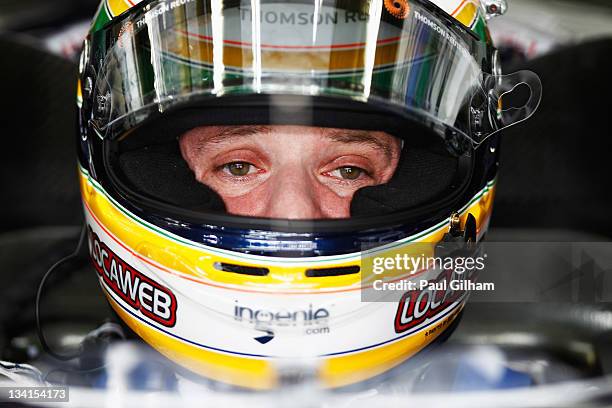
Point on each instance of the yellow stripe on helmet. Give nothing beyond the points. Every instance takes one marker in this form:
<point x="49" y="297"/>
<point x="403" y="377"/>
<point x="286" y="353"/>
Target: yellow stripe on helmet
<point x="467" y="13"/>
<point x="117" y="7"/>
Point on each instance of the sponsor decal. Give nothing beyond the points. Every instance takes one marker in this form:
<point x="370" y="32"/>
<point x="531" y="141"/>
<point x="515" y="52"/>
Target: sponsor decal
<point x="281" y="317"/>
<point x="429" y="299"/>
<point x="444" y="32"/>
<point x="269" y="336"/>
<point x="137" y="290"/>
<point x="161" y="9"/>
<point x="314" y="320"/>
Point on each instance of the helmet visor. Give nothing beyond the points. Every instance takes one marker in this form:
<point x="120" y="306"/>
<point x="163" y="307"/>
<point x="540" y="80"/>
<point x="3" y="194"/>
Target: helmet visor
<point x="408" y="57"/>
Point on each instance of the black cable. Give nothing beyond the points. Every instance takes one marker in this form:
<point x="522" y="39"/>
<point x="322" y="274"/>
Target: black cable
<point x="41" y="285"/>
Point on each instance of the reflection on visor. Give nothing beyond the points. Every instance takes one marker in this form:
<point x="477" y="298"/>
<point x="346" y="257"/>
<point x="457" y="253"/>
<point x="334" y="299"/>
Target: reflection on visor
<point x="174" y="52"/>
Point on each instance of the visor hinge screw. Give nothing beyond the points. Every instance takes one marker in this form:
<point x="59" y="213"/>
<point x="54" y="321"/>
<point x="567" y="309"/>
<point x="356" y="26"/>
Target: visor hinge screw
<point x="457" y="240"/>
<point x="455" y="224"/>
<point x="495" y="8"/>
<point x="469" y="231"/>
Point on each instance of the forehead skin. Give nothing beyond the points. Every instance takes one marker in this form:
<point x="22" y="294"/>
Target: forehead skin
<point x="215" y="135"/>
<point x="295" y="168"/>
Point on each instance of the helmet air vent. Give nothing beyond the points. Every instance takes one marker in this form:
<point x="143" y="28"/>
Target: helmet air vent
<point x="325" y="272"/>
<point x="242" y="269"/>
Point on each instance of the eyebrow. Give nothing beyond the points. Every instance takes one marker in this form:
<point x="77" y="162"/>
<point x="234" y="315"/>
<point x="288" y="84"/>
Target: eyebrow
<point x="362" y="137"/>
<point x="348" y="136"/>
<point x="231" y="132"/>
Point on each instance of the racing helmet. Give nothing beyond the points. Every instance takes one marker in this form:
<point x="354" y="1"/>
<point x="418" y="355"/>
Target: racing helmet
<point x="232" y="297"/>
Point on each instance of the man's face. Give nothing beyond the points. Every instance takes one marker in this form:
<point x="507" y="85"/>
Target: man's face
<point x="290" y="172"/>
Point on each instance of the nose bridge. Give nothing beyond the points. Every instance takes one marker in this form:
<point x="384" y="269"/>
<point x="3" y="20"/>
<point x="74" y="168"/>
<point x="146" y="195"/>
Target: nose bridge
<point x="293" y="195"/>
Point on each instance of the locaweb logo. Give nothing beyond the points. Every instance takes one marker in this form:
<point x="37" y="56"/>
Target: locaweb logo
<point x="142" y="293"/>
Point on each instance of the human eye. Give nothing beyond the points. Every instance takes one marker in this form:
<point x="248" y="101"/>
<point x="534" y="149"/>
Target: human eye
<point x="349" y="173"/>
<point x="239" y="169"/>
